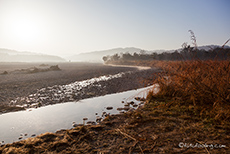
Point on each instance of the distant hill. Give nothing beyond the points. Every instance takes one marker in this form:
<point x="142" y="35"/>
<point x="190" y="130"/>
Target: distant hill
<point x="7" y="55"/>
<point x="96" y="56"/>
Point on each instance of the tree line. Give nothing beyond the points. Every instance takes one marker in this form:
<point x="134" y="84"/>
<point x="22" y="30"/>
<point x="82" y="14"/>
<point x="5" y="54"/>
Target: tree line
<point x="187" y="53"/>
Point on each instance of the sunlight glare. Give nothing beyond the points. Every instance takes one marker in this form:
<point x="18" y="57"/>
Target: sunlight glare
<point x="25" y="30"/>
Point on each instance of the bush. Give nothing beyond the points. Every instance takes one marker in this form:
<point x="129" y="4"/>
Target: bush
<point x="5" y="72"/>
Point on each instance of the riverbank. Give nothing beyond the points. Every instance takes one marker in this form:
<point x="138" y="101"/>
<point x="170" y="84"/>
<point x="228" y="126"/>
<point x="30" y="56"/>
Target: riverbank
<point x="66" y="115"/>
<point x="17" y="83"/>
<point x="24" y="90"/>
<point x="167" y="123"/>
<point x="150" y="129"/>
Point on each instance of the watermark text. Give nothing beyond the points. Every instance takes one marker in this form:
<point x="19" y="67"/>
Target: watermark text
<point x="198" y="145"/>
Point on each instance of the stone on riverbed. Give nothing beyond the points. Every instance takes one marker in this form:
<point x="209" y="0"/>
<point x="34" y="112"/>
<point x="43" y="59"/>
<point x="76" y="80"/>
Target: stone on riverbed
<point x="109" y="108"/>
<point x="91" y="123"/>
<point x="132" y="102"/>
<point x="98" y="119"/>
<point x="76" y="125"/>
<point x="85" y="119"/>
<point x="120" y="108"/>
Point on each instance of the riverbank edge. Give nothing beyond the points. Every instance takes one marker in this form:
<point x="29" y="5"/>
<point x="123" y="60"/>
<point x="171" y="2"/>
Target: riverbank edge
<point x="8" y="108"/>
<point x="149" y="129"/>
<point x="153" y="128"/>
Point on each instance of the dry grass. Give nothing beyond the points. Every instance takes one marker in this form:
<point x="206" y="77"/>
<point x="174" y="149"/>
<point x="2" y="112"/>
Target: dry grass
<point x="203" y="84"/>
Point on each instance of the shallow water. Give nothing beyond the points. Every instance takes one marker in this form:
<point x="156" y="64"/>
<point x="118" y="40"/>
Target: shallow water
<point x="62" y="93"/>
<point x="61" y="116"/>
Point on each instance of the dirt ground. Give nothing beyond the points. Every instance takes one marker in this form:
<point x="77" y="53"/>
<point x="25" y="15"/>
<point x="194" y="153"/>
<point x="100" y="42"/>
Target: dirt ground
<point x="19" y="83"/>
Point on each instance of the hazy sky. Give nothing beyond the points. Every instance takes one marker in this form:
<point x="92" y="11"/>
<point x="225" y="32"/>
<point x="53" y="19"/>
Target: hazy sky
<point x="74" y="26"/>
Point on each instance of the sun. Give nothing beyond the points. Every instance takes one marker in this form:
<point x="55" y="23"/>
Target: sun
<point x="22" y="24"/>
<point x="25" y="30"/>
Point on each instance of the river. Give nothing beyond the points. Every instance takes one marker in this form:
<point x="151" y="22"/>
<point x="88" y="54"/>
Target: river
<point x="23" y="124"/>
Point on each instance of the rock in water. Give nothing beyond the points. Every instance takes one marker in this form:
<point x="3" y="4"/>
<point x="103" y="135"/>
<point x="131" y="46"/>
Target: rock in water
<point x="109" y="108"/>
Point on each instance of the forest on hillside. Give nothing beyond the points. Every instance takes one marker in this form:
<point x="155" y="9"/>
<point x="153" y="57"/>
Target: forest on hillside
<point x="187" y="53"/>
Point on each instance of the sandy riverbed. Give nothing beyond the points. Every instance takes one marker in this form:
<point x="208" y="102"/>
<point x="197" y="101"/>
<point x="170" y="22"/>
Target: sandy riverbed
<point x="18" y="84"/>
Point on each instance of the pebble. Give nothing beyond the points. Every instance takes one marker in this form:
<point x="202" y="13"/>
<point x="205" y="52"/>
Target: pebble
<point x="85" y="119"/>
<point x="98" y="119"/>
<point x="141" y="103"/>
<point x="76" y="125"/>
<point x="109" y="108"/>
<point x="131" y="109"/>
<point x="132" y="102"/>
<point x="120" y="108"/>
<point x="91" y="123"/>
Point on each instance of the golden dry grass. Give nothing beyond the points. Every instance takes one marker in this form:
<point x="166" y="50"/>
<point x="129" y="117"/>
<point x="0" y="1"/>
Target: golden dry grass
<point x="203" y="84"/>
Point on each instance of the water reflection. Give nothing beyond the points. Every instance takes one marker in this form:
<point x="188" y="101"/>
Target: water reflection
<point x="24" y="124"/>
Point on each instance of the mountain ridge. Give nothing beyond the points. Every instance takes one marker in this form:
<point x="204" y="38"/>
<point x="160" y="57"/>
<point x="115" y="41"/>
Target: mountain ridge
<point x="8" y="55"/>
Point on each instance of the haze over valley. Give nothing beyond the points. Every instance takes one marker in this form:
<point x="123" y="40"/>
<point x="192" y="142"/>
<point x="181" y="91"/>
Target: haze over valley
<point x="7" y="55"/>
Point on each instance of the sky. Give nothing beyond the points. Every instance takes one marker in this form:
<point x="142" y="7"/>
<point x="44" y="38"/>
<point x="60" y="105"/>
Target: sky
<point x="64" y="27"/>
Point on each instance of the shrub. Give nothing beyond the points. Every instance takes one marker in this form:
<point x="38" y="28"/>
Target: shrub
<point x="5" y="72"/>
